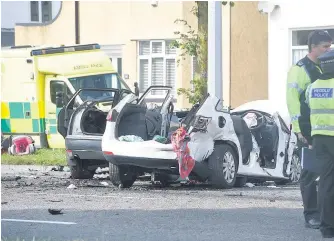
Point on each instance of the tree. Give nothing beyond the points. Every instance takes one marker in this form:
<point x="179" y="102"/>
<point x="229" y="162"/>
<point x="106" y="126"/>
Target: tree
<point x="194" y="44"/>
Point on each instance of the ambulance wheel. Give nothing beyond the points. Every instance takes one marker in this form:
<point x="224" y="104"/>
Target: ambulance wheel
<point x="80" y="171"/>
<point x="121" y="176"/>
<point x="223" y="164"/>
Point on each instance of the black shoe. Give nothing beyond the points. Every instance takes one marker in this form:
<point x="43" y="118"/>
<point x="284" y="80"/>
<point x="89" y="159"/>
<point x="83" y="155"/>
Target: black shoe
<point x="327" y="233"/>
<point x="312" y="223"/>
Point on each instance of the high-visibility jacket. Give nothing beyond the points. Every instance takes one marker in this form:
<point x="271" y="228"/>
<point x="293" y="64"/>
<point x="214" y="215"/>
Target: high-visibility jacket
<point x="320" y="97"/>
<point x="300" y="76"/>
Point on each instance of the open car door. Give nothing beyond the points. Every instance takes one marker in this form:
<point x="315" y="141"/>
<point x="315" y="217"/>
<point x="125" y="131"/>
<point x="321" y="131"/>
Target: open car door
<point x="154" y="95"/>
<point x="109" y="97"/>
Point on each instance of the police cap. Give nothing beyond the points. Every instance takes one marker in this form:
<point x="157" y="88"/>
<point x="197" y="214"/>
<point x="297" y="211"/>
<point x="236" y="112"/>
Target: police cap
<point x="327" y="62"/>
<point x="327" y="57"/>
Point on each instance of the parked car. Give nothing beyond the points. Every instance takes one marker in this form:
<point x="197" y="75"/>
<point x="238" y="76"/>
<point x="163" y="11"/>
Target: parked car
<point x="228" y="146"/>
<point x="82" y="126"/>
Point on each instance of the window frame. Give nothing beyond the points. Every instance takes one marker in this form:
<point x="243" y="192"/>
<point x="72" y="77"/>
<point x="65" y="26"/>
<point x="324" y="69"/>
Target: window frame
<point x="38" y="11"/>
<point x="149" y="57"/>
<point x="49" y="10"/>
<point x="301" y="47"/>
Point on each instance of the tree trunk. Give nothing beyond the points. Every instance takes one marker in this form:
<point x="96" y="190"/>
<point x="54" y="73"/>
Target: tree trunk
<point x="202" y="58"/>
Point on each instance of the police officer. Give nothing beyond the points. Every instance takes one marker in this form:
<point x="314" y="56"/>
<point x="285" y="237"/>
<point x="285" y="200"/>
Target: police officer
<point x="300" y="76"/>
<point x="320" y="96"/>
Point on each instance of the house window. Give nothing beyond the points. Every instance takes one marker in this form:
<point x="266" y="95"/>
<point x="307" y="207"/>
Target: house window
<point x="194" y="65"/>
<point x="299" y="43"/>
<point x="46" y="11"/>
<point x="157" y="64"/>
<point x="34" y="11"/>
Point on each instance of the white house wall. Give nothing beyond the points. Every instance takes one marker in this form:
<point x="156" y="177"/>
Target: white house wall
<point x="291" y="15"/>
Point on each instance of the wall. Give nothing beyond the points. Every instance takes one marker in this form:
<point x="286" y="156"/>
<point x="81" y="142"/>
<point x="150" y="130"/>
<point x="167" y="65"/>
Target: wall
<point x="59" y="31"/>
<point x="282" y="21"/>
<point x="249" y="53"/>
<point x="184" y="70"/>
<point x="125" y="23"/>
<point x="122" y="21"/>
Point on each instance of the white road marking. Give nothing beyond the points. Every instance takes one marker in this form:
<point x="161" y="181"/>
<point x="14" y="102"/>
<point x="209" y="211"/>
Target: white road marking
<point x="36" y="221"/>
<point x="90" y="195"/>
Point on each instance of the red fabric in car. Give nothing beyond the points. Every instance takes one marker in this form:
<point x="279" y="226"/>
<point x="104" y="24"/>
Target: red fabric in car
<point x="180" y="146"/>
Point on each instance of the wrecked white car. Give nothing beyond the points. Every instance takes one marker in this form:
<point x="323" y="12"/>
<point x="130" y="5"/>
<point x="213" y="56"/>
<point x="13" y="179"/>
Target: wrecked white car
<point x="219" y="146"/>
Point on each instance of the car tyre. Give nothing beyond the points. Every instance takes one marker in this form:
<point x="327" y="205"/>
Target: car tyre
<point x="121" y="176"/>
<point x="12" y="150"/>
<point x="223" y="164"/>
<point x="296" y="169"/>
<point x="80" y="172"/>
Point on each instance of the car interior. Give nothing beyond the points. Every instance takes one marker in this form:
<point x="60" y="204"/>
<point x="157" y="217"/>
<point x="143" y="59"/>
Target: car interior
<point x="265" y="134"/>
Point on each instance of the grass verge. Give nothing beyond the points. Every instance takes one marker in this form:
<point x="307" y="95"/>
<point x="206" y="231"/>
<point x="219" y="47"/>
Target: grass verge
<point x="45" y="157"/>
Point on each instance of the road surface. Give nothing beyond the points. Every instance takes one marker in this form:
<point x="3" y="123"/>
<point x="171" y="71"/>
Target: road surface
<point x="94" y="211"/>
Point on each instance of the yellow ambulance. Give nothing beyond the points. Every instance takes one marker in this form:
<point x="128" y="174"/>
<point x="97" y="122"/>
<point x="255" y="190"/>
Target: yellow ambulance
<point x="31" y="78"/>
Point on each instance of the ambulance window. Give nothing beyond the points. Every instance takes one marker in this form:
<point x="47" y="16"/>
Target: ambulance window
<point x="58" y="86"/>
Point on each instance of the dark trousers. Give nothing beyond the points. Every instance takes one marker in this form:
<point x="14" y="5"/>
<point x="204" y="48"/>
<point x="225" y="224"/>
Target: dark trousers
<point x="324" y="148"/>
<point x="308" y="189"/>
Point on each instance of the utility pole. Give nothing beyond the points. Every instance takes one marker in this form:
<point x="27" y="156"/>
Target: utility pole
<point x="215" y="73"/>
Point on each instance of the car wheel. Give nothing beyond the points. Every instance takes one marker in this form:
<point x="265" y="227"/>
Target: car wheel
<point x="296" y="168"/>
<point x="80" y="171"/>
<point x="121" y="175"/>
<point x="77" y="172"/>
<point x="223" y="165"/>
<point x="12" y="150"/>
<point x="295" y="171"/>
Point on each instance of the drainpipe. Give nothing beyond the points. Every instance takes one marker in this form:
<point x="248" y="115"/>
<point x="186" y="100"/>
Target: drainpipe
<point x="77" y="26"/>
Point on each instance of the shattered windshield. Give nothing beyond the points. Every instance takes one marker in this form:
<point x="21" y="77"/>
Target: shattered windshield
<point x="100" y="81"/>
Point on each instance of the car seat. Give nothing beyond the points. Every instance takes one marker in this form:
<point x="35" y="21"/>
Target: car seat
<point x="244" y="135"/>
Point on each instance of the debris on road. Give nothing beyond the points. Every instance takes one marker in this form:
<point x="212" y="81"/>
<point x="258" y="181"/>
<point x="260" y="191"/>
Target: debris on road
<point x="235" y="195"/>
<point x="33" y="177"/>
<point x="55" y="211"/>
<point x="4" y="203"/>
<point x="248" y="184"/>
<point x="72" y="186"/>
<point x="271" y="184"/>
<point x="102" y="170"/>
<point x="101" y="173"/>
<point x="101" y="176"/>
<point x="58" y="169"/>
<point x="10" y="178"/>
<point x="104" y="183"/>
<point x="55" y="201"/>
